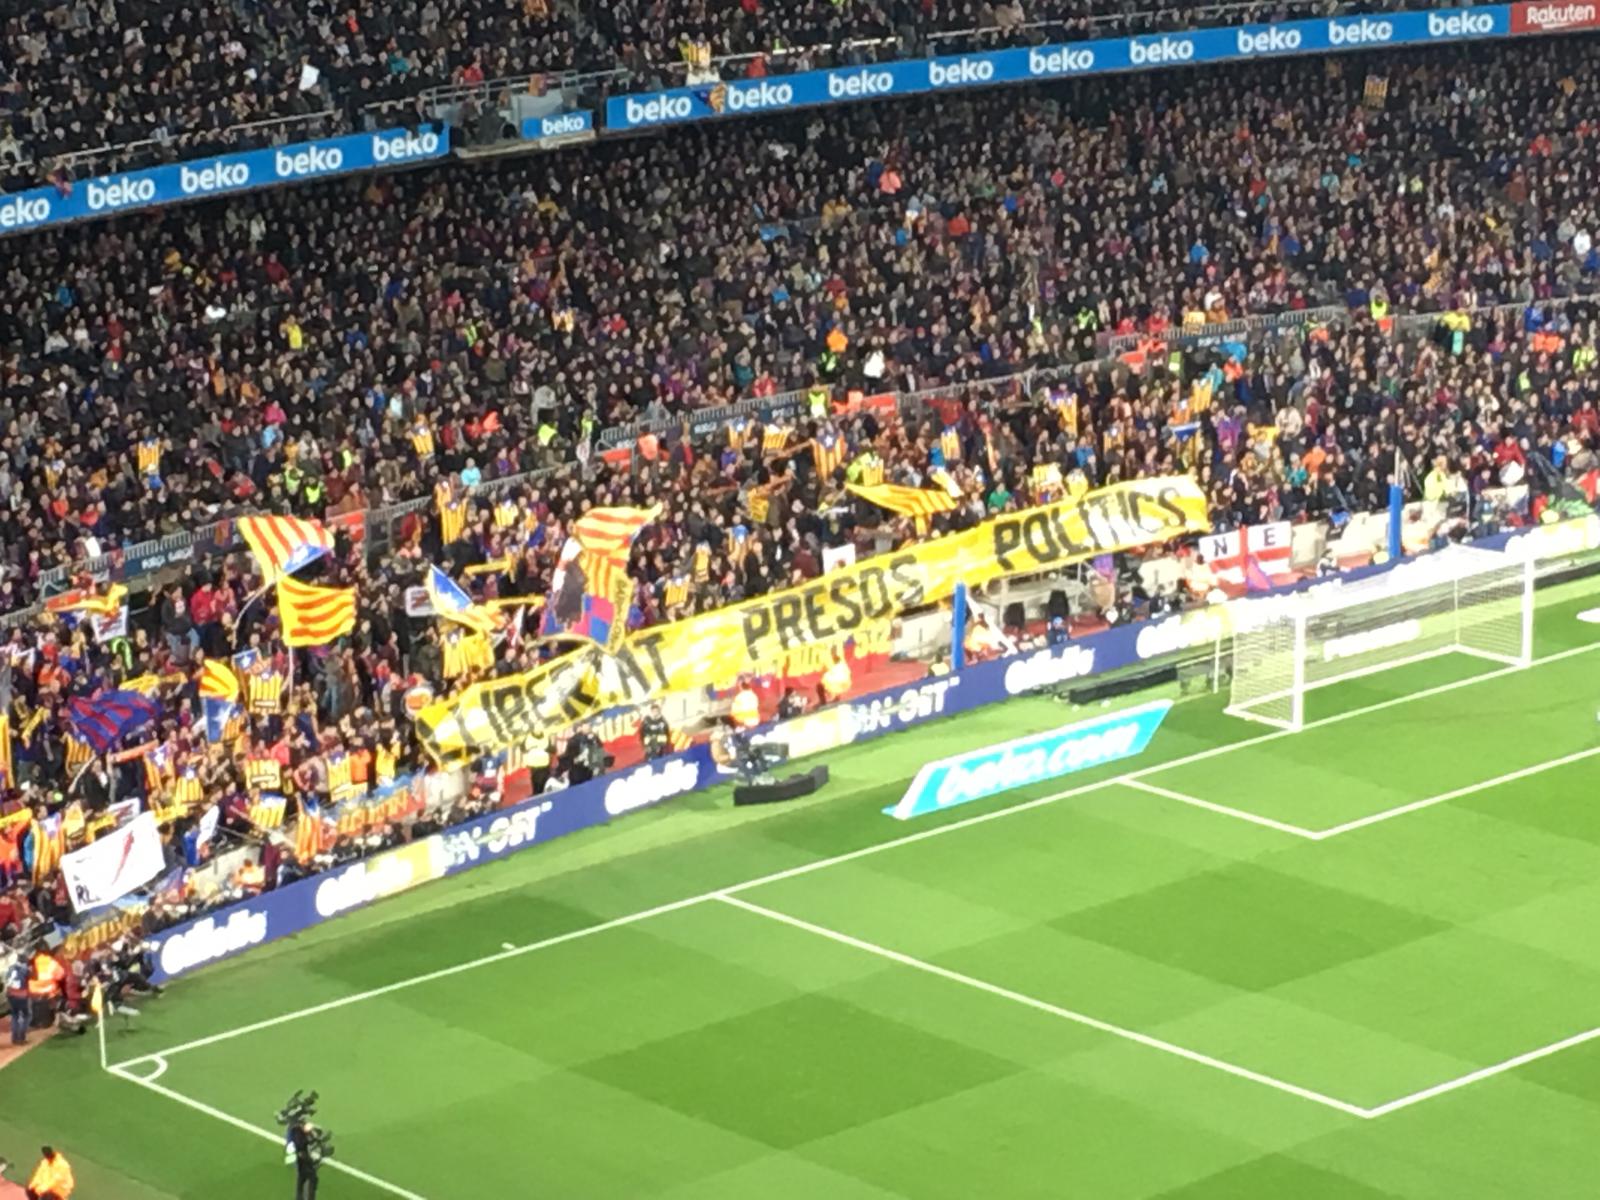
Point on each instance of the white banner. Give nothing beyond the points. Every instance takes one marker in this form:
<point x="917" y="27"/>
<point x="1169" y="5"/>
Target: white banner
<point x="110" y="868"/>
<point x="106" y="628"/>
<point x="1230" y="555"/>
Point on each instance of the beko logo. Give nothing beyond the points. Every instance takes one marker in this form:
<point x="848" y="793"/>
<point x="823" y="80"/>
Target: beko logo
<point x="760" y="95"/>
<point x="313" y="160"/>
<point x="1270" y="40"/>
<point x="1464" y="24"/>
<point x="646" y="785"/>
<point x="657" y="108"/>
<point x="1154" y="51"/>
<point x="1360" y="32"/>
<point x="859" y="85"/>
<point x="962" y="72"/>
<point x="20" y="211"/>
<point x="120" y="192"/>
<point x="398" y="147"/>
<point x="1063" y="60"/>
<point x="215" y="178"/>
<point x="208" y="941"/>
<point x="557" y="126"/>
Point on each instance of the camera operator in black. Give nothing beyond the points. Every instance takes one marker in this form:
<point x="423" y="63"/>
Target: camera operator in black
<point x="303" y="1141"/>
<point x="654" y="734"/>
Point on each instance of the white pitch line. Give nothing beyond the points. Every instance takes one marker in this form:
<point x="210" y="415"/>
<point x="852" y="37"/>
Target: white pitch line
<point x="275" y="1138"/>
<point x="820" y="864"/>
<point x="835" y="860"/>
<point x="1499" y="1068"/>
<point x="1238" y="813"/>
<point x="1443" y="797"/>
<point x="1054" y="1010"/>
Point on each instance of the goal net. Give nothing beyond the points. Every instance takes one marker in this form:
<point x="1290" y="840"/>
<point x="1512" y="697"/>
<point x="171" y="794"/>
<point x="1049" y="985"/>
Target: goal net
<point x="1461" y="600"/>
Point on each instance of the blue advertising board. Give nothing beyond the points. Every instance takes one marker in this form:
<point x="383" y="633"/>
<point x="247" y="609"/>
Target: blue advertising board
<point x="133" y="190"/>
<point x="306" y="902"/>
<point x="557" y="125"/>
<point x="843" y="85"/>
<point x="1036" y="758"/>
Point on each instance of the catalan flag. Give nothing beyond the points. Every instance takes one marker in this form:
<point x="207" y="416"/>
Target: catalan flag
<point x="8" y="773"/>
<point x="463" y="651"/>
<point x="105" y="719"/>
<point x="918" y="503"/>
<point x="314" y="616"/>
<point x="950" y="444"/>
<point x="267" y="812"/>
<point x="453" y="514"/>
<point x="421" y="435"/>
<point x="451" y="603"/>
<point x="827" y="453"/>
<point x="148" y="453"/>
<point x="307" y="830"/>
<point x="78" y="602"/>
<point x="775" y="438"/>
<point x="592" y="591"/>
<point x="45" y="847"/>
<point x="283" y="545"/>
<point x="218" y="681"/>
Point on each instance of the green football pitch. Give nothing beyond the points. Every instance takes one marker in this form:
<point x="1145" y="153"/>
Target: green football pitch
<point x="1357" y="961"/>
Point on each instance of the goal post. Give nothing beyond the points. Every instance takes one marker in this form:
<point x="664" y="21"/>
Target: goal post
<point x="1461" y="600"/>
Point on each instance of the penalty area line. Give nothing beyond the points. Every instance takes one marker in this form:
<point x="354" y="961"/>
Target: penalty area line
<point x="149" y="1084"/>
<point x="1054" y="1010"/>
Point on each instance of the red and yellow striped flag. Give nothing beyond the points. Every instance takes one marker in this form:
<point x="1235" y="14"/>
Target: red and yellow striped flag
<point x="218" y="681"/>
<point x="314" y="616"/>
<point x="282" y="545"/>
<point x="918" y="503"/>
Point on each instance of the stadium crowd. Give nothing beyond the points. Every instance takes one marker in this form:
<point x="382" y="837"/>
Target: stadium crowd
<point x="126" y="83"/>
<point x="328" y="350"/>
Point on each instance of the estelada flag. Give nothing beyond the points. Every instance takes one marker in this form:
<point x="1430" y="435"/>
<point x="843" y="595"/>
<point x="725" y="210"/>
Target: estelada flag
<point x="283" y="545"/>
<point x="591" y="591"/>
<point x="314" y="616"/>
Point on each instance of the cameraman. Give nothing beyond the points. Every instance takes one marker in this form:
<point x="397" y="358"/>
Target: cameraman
<point x="302" y="1140"/>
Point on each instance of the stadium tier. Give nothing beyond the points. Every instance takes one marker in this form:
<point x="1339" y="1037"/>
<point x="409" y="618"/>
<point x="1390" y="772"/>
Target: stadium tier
<point x="359" y="534"/>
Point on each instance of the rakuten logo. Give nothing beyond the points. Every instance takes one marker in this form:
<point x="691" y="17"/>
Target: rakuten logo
<point x="362" y="884"/>
<point x="755" y="97"/>
<point x="1063" y="60"/>
<point x="1155" y="51"/>
<point x="399" y="147"/>
<point x="313" y="160"/>
<point x="1360" y="32"/>
<point x="1047" y="668"/>
<point x="19" y="212"/>
<point x="1270" y="40"/>
<point x="1551" y="17"/>
<point x="1461" y="24"/>
<point x="858" y="85"/>
<point x="657" y="108"/>
<point x="963" y="73"/>
<point x="646" y="785"/>
<point x="1177" y="633"/>
<point x="208" y="941"/>
<point x="215" y="178"/>
<point x="1369" y="640"/>
<point x="120" y="193"/>
<point x="562" y="125"/>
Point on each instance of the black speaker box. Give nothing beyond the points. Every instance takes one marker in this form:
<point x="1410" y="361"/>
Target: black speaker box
<point x="1015" y="616"/>
<point x="791" y="788"/>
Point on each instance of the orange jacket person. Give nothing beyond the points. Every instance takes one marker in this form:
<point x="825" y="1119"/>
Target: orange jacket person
<point x="52" y="1178"/>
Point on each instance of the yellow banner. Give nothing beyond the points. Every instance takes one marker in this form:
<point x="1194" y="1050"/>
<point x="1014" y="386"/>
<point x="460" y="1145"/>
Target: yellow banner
<point x="759" y="635"/>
